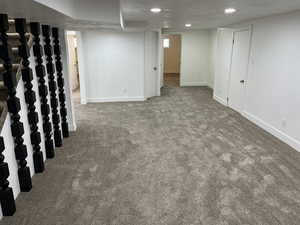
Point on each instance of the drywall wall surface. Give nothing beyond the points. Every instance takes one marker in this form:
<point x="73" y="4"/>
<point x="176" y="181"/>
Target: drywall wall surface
<point x="212" y="57"/>
<point x="195" y="58"/>
<point x="113" y="65"/>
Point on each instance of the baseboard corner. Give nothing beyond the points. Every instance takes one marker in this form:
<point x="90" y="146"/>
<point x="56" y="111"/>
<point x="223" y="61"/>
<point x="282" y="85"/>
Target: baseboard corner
<point x="220" y="100"/>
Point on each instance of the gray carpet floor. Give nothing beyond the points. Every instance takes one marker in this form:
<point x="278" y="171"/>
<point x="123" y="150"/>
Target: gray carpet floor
<point x="179" y="159"/>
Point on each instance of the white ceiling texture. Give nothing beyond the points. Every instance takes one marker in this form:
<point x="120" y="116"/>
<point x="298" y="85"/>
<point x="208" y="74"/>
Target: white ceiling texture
<point x="202" y="14"/>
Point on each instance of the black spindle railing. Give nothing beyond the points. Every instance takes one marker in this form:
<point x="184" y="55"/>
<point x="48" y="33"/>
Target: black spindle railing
<point x="30" y="96"/>
<point x="43" y="89"/>
<point x="52" y="85"/>
<point x="7" y="199"/>
<point x="14" y="107"/>
<point x="60" y="82"/>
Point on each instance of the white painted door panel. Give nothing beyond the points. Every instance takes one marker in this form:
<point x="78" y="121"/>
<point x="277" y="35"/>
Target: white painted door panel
<point x="151" y="64"/>
<point x="239" y="67"/>
<point x="222" y="66"/>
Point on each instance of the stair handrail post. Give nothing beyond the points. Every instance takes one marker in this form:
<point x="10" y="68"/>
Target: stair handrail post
<point x="60" y="82"/>
<point x="40" y="70"/>
<point x="46" y="31"/>
<point x="7" y="199"/>
<point x="30" y="96"/>
<point x="14" y="107"/>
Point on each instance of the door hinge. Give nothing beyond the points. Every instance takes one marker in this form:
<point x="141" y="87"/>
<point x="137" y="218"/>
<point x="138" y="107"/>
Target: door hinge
<point x="227" y="99"/>
<point x="233" y="41"/>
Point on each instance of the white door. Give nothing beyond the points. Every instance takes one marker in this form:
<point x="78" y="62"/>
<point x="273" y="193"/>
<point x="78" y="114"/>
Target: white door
<point x="151" y="64"/>
<point x="222" y="65"/>
<point x="239" y="68"/>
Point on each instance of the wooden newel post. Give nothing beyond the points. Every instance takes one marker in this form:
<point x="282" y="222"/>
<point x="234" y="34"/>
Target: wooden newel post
<point x="60" y="82"/>
<point x="43" y="89"/>
<point x="14" y="107"/>
<point x="7" y="199"/>
<point x="52" y="85"/>
<point x="30" y="96"/>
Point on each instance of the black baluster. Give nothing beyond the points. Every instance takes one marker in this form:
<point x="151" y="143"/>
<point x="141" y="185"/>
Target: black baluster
<point x="30" y="96"/>
<point x="52" y="85"/>
<point x="7" y="199"/>
<point x="43" y="89"/>
<point x="60" y="82"/>
<point x="14" y="107"/>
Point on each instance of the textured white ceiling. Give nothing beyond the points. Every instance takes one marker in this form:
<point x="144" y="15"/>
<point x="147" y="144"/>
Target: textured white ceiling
<point x="136" y="13"/>
<point x="202" y="13"/>
<point x="32" y="11"/>
<point x="105" y="11"/>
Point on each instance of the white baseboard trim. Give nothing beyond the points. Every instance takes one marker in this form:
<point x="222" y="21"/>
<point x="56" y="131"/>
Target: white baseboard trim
<point x="274" y="131"/>
<point x="72" y="127"/>
<point x="116" y="99"/>
<point x="192" y="84"/>
<point x="220" y="100"/>
<point x="83" y="101"/>
<point x="210" y="86"/>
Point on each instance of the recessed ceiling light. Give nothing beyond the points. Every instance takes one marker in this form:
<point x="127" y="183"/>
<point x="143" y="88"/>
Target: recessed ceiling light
<point x="155" y="10"/>
<point x="230" y="10"/>
<point x="188" y="25"/>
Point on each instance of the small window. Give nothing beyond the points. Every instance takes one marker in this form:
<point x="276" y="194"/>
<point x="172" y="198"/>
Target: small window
<point x="166" y="43"/>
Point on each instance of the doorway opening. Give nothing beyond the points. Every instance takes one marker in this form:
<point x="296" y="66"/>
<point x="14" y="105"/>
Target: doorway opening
<point x="73" y="65"/>
<point x="172" y="59"/>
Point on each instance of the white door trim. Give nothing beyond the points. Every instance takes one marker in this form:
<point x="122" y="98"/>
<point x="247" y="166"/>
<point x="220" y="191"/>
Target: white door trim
<point x="160" y="62"/>
<point x="81" y="64"/>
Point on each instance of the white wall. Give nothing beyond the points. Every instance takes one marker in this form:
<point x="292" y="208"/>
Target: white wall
<point x="113" y="65"/>
<point x="195" y="58"/>
<point x="272" y="88"/>
<point x="212" y="57"/>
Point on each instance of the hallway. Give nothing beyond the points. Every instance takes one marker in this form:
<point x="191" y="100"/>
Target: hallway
<point x="179" y="159"/>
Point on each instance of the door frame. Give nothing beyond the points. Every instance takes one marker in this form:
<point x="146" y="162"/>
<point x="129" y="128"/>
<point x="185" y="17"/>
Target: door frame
<point x="160" y="78"/>
<point x="250" y="29"/>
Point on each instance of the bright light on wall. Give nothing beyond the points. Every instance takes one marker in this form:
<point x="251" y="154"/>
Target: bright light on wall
<point x="166" y="43"/>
